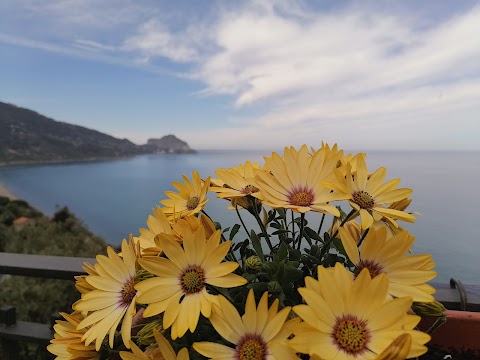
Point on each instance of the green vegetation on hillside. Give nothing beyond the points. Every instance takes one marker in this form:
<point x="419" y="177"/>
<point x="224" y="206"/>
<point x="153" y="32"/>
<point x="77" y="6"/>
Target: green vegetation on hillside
<point x="38" y="299"/>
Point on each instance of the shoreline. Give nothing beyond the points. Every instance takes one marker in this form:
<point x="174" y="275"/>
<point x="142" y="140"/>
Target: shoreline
<point x="4" y="191"/>
<point x="4" y="164"/>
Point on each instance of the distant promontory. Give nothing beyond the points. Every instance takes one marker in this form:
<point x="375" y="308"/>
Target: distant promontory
<point x="29" y="137"/>
<point x="168" y="144"/>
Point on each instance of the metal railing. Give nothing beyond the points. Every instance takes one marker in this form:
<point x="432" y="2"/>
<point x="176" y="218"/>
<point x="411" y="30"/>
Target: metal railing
<point x="454" y="296"/>
<point x="12" y="332"/>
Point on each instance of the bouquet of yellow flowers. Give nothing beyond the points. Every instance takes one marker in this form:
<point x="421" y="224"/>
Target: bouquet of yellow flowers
<point x="307" y="281"/>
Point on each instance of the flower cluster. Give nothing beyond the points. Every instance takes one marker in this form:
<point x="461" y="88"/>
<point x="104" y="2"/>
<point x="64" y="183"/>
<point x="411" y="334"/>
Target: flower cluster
<point x="296" y="278"/>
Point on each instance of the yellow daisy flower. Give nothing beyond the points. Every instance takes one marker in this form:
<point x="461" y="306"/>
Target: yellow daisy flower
<point x="295" y="181"/>
<point x="157" y="224"/>
<point x="163" y="352"/>
<point x="67" y="343"/>
<point x="350" y="319"/>
<point x="260" y="334"/>
<point x="407" y="274"/>
<point x="113" y="298"/>
<point x="236" y="181"/>
<point x="191" y="198"/>
<point x="367" y="193"/>
<point x="179" y="289"/>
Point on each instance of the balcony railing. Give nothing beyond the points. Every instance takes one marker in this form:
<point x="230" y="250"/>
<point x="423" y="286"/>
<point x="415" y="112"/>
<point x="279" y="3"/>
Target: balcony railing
<point x="455" y="296"/>
<point x="48" y="267"/>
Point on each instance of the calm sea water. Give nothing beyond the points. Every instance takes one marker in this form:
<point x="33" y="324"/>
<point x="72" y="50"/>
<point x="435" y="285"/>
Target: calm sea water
<point x="114" y="198"/>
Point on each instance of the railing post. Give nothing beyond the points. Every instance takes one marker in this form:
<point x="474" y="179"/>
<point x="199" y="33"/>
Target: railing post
<point x="8" y="348"/>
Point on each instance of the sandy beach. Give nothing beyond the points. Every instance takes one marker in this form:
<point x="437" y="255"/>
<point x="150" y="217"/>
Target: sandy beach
<point x="4" y="191"/>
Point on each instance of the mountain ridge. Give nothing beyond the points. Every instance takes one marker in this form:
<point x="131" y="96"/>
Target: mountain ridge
<point x="27" y="136"/>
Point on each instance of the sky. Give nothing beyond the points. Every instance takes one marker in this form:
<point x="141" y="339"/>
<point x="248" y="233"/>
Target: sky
<point x="368" y="75"/>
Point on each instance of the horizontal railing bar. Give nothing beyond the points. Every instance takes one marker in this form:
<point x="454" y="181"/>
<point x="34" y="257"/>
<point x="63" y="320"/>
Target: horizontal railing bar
<point x="28" y="332"/>
<point x="63" y="267"/>
<point x="49" y="267"/>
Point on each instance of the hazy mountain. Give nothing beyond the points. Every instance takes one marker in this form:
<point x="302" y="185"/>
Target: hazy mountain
<point x="26" y="136"/>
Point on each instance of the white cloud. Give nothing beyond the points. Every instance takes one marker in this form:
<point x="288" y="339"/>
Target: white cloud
<point x="154" y="40"/>
<point x="352" y="72"/>
<point x="343" y="72"/>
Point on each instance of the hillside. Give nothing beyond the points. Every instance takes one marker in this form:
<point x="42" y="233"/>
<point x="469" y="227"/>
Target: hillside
<point x="29" y="137"/>
<point x="25" y="230"/>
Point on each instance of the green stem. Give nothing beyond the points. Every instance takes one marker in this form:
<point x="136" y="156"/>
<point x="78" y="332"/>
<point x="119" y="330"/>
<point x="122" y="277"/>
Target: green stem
<point x="241" y="220"/>
<point x="293" y="228"/>
<point x="439" y="322"/>
<point x="327" y="244"/>
<point x="260" y="223"/>
<point x="321" y="224"/>
<point x="363" y="237"/>
<point x="300" y="236"/>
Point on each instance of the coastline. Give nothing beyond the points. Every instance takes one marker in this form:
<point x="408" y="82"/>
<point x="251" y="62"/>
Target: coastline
<point x="4" y="191"/>
<point x="4" y="164"/>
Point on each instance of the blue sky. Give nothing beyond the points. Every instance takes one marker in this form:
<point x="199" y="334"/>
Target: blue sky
<point x="250" y="74"/>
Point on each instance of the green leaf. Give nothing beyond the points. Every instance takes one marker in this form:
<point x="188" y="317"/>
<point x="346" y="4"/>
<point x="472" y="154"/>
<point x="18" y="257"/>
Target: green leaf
<point x="280" y="271"/>
<point x="313" y="259"/>
<point x="250" y="277"/>
<point x="339" y="245"/>
<point x="256" y="245"/>
<point x="234" y="231"/>
<point x="294" y="264"/>
<point x="237" y="246"/>
<point x="281" y="231"/>
<point x="312" y="234"/>
<point x="331" y="260"/>
<point x="291" y="274"/>
<point x="295" y="254"/>
<point x="259" y="287"/>
<point x="282" y="251"/>
<point x="271" y="216"/>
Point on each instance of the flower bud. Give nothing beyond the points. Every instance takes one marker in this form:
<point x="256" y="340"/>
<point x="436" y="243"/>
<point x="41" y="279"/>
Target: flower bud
<point x="253" y="263"/>
<point x="274" y="287"/>
<point x="145" y="335"/>
<point x="434" y="309"/>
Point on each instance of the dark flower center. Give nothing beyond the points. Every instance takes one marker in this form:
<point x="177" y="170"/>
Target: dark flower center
<point x="192" y="279"/>
<point x="301" y="196"/>
<point x="128" y="292"/>
<point x="363" y="199"/>
<point x="252" y="347"/>
<point x="374" y="268"/>
<point x="193" y="202"/>
<point x="351" y="335"/>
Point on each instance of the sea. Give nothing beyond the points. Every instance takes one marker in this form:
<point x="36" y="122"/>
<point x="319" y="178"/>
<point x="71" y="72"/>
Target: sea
<point x="114" y="198"/>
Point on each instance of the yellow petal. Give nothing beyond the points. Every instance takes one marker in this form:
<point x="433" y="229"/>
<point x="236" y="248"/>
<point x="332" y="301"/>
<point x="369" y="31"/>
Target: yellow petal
<point x="366" y="219"/>
<point x="349" y="245"/>
<point x="398" y="349"/>
<point x="213" y="350"/>
<point x="227" y="281"/>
